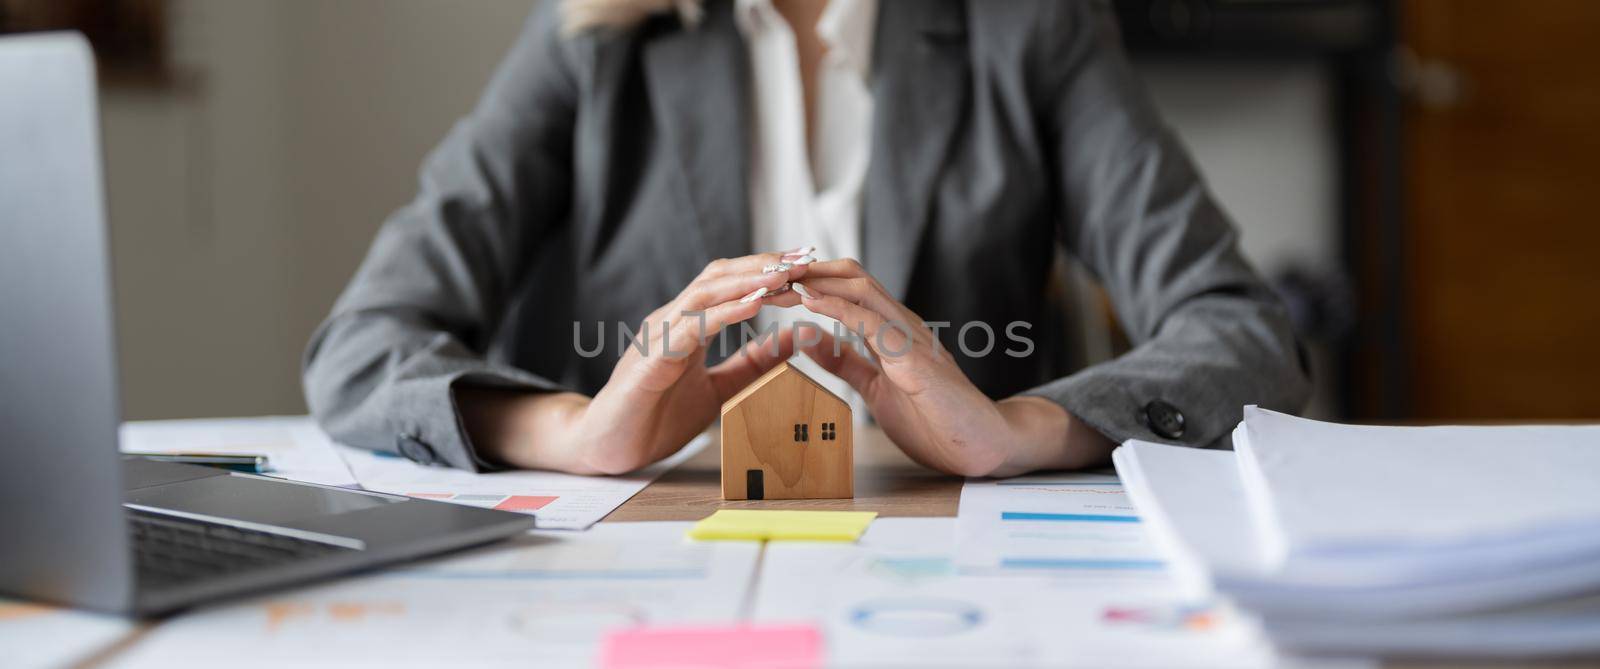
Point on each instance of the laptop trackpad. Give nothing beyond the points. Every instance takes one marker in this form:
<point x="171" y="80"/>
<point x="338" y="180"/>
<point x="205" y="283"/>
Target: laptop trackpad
<point x="256" y="500"/>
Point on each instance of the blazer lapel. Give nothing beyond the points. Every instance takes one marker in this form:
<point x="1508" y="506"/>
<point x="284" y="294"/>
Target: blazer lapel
<point x="920" y="75"/>
<point x="697" y="82"/>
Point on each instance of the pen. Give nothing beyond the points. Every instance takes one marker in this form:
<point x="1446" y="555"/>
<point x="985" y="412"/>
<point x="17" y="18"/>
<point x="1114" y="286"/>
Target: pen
<point x="239" y="462"/>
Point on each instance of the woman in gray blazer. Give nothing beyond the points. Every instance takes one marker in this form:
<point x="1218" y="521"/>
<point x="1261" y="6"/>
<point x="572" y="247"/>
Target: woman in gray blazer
<point x="612" y="173"/>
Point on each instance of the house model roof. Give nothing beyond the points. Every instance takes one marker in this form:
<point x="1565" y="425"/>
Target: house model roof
<point x="775" y="372"/>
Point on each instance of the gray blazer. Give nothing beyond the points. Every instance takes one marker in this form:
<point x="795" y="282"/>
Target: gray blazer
<point x="600" y="173"/>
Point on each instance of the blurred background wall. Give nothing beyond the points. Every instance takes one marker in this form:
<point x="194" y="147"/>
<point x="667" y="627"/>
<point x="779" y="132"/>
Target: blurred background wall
<point x="244" y="191"/>
<point x="1438" y="273"/>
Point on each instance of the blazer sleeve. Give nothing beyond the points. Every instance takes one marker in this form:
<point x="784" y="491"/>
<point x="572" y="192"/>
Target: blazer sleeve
<point x="417" y="318"/>
<point x="1209" y="335"/>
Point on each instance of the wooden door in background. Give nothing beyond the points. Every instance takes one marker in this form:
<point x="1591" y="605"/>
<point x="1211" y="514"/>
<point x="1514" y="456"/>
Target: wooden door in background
<point x="1503" y="209"/>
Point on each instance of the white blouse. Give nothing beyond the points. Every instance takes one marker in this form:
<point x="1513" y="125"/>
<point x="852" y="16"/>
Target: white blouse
<point x="795" y="202"/>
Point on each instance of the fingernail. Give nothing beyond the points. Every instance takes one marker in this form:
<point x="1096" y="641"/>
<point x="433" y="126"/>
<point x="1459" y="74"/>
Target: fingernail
<point x="805" y="261"/>
<point x="780" y="267"/>
<point x="753" y="296"/>
<point x="778" y="290"/>
<point x="804" y="250"/>
<point x="804" y="292"/>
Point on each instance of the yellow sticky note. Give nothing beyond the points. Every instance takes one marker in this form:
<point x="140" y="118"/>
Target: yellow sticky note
<point x="758" y="525"/>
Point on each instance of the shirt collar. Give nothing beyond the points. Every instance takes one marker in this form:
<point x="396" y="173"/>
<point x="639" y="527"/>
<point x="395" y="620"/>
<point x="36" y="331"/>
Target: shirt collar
<point x="846" y="26"/>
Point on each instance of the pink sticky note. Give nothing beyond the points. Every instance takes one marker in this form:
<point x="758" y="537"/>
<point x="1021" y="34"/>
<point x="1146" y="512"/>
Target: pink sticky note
<point x="734" y="647"/>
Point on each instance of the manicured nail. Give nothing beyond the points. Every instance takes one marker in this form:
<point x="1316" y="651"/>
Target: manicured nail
<point x="804" y="250"/>
<point x="780" y="267"/>
<point x="804" y="292"/>
<point x="753" y="296"/>
<point x="805" y="261"/>
<point x="779" y="290"/>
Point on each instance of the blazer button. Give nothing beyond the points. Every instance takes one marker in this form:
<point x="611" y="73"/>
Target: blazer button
<point x="415" y="450"/>
<point x="1163" y="419"/>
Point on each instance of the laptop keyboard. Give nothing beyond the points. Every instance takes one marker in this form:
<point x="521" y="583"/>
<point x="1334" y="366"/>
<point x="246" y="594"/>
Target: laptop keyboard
<point x="172" y="550"/>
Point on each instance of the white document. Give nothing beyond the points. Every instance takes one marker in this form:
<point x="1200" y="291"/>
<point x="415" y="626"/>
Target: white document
<point x="558" y="501"/>
<point x="39" y="636"/>
<point x="295" y="447"/>
<point x="1196" y="507"/>
<point x="1337" y="488"/>
<point x="543" y="600"/>
<point x="896" y="598"/>
<point x="1066" y="523"/>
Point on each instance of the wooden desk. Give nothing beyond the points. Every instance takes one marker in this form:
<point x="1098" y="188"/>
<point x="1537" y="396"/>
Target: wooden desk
<point x="886" y="481"/>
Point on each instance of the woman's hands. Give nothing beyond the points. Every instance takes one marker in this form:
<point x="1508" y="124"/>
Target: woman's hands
<point x="921" y="397"/>
<point x="657" y="399"/>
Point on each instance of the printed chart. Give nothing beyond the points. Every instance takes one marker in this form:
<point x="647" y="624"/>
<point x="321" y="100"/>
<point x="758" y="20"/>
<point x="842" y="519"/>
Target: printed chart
<point x="558" y="501"/>
<point x="895" y="599"/>
<point x="1080" y="523"/>
<point x="38" y="635"/>
<point x="524" y="503"/>
<point x="545" y="599"/>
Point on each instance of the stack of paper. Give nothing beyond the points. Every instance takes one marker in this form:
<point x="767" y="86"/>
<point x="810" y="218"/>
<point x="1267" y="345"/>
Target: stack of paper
<point x="1389" y="540"/>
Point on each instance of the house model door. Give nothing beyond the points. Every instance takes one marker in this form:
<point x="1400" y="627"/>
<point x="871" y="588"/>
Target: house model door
<point x="787" y="437"/>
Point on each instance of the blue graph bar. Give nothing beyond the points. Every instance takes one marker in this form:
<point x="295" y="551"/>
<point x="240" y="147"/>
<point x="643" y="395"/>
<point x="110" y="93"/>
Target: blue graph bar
<point x="1086" y="517"/>
<point x="1040" y="483"/>
<point x="1067" y="563"/>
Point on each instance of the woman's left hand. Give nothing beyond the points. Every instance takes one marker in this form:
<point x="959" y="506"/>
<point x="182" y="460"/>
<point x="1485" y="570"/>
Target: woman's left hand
<point x="918" y="394"/>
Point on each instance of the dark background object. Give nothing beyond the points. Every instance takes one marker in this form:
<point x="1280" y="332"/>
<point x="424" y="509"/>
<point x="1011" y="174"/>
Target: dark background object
<point x="130" y="37"/>
<point x="1305" y="27"/>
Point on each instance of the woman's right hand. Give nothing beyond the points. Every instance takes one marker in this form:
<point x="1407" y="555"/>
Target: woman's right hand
<point x="657" y="399"/>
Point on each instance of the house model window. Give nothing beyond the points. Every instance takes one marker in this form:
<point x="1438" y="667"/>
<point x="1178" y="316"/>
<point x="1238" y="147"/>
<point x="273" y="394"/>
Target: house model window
<point x="767" y="451"/>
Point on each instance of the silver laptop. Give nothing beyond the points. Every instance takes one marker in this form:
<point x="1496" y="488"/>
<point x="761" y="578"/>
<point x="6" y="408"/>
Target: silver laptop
<point x="79" y="525"/>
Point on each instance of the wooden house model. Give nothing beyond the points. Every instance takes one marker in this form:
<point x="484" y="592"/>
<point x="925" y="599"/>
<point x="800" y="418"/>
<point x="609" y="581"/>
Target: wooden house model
<point x="786" y="437"/>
